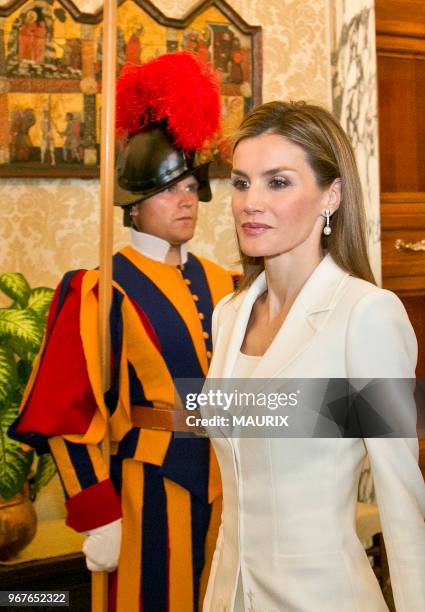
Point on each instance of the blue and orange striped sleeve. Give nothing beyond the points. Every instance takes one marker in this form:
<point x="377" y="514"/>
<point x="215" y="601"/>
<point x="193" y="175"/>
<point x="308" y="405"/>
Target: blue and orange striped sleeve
<point x="91" y="498"/>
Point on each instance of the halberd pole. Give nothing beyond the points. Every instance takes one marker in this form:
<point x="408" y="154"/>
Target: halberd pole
<point x="107" y="159"/>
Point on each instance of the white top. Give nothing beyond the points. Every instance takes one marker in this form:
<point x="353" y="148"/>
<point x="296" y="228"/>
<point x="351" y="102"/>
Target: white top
<point x="245" y="365"/>
<point x="154" y="247"/>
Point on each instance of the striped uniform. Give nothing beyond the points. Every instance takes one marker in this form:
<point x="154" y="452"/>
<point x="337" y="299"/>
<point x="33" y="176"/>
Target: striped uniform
<point x="166" y="487"/>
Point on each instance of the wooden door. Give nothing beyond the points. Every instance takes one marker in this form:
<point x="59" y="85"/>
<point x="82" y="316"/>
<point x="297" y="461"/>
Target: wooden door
<point x="400" y="38"/>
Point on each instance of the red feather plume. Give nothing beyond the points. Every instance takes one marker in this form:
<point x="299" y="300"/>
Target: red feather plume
<point x="175" y="87"/>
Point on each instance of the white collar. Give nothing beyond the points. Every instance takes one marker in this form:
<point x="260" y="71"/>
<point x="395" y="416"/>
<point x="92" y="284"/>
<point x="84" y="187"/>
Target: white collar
<point x="154" y="247"/>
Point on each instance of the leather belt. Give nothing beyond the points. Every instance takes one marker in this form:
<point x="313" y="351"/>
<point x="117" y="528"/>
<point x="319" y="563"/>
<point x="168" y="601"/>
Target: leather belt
<point x="166" y="419"/>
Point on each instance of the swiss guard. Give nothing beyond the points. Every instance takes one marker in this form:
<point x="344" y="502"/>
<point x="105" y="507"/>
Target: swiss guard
<point x="152" y="520"/>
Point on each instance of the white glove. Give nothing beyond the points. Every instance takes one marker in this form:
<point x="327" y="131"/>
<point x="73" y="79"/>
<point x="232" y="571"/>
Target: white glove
<point x="102" y="547"/>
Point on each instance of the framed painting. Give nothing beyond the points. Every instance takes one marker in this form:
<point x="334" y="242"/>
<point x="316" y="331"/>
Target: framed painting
<point x="51" y="77"/>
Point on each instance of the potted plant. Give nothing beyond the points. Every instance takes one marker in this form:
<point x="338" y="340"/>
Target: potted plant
<point x="22" y="475"/>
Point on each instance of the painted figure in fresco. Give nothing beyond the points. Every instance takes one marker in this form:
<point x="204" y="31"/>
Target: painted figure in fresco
<point x="30" y="51"/>
<point x="21" y="143"/>
<point x="133" y="49"/>
<point x="204" y="43"/>
<point x="72" y="53"/>
<point x="47" y="143"/>
<point x="72" y="134"/>
<point x="32" y="38"/>
<point x="154" y="518"/>
<point x="236" y="74"/>
<point x="27" y="36"/>
<point x="223" y="45"/>
<point x="190" y="41"/>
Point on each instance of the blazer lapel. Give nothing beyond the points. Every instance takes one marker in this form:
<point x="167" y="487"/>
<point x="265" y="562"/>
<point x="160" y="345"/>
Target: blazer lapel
<point x="232" y="332"/>
<point x="306" y="317"/>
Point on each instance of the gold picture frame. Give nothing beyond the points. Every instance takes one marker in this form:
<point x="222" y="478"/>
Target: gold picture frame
<point x="50" y="77"/>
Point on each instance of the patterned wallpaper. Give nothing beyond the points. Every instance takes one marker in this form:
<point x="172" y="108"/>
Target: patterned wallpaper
<point x="50" y="226"/>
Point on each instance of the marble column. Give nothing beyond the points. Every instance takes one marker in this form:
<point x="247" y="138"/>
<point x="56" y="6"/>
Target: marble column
<point x="354" y="99"/>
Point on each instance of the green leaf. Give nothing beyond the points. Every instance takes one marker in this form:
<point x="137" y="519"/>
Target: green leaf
<point x="23" y="369"/>
<point x="22" y="330"/>
<point x="8" y="373"/>
<point x="27" y="356"/>
<point x="15" y="464"/>
<point x="46" y="469"/>
<point x="39" y="300"/>
<point x="14" y="285"/>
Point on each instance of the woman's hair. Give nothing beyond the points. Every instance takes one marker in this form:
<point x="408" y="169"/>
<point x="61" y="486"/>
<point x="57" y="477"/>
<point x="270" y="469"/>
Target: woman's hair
<point x="330" y="156"/>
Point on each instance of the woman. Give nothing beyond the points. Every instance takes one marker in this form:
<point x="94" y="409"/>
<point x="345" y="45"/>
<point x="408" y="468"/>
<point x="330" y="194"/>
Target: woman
<point x="309" y="308"/>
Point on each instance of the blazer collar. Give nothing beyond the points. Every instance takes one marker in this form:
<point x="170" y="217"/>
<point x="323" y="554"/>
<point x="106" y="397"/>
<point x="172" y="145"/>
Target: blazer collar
<point x="305" y="318"/>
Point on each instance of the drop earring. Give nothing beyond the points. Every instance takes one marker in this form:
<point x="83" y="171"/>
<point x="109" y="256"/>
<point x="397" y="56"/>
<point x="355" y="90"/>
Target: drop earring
<point x="327" y="230"/>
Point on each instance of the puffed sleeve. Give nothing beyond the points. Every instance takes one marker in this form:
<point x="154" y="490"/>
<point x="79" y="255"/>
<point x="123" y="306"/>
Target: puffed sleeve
<point x="63" y="409"/>
<point x="381" y="344"/>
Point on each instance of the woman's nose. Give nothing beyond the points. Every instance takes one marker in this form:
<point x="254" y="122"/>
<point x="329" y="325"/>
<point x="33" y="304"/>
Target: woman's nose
<point x="253" y="202"/>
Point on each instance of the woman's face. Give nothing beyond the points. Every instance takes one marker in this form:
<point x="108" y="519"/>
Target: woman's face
<point x="276" y="202"/>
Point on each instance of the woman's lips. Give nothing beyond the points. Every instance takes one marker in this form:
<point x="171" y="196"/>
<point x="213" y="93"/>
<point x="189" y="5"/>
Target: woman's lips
<point x="254" y="229"/>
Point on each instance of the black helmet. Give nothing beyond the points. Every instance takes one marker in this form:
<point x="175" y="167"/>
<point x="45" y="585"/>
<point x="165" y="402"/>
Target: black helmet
<point x="148" y="163"/>
<point x="166" y="109"/>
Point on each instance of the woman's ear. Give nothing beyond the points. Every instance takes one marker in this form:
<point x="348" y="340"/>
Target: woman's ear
<point x="335" y="195"/>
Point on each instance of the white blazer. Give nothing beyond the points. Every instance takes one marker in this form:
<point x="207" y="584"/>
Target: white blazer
<point x="288" y="526"/>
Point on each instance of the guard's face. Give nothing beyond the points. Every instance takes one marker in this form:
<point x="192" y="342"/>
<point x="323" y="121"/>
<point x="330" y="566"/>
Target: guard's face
<point x="276" y="201"/>
<point x="170" y="214"/>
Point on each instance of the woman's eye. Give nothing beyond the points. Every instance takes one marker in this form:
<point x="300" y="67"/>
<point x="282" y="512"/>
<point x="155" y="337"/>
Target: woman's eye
<point x="240" y="184"/>
<point x="278" y="183"/>
<point x="192" y="188"/>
